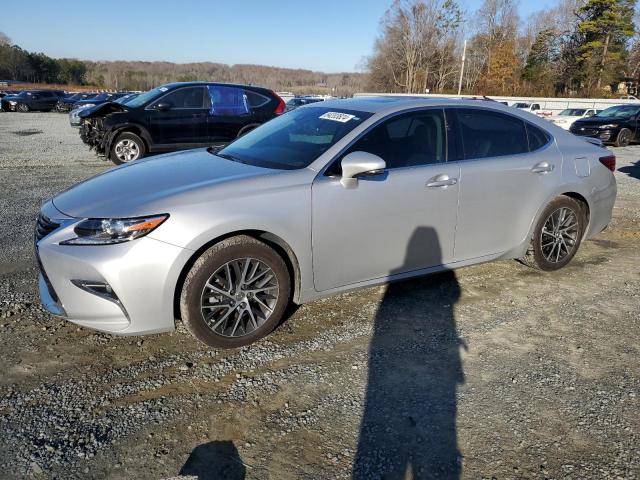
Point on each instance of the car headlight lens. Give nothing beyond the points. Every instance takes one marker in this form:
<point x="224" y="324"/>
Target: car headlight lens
<point x="610" y="125"/>
<point x="12" y="102"/>
<point x="108" y="231"/>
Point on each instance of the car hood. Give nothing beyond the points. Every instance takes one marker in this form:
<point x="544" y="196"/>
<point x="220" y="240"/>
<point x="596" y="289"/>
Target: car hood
<point x="600" y="121"/>
<point x="102" y="109"/>
<point x="154" y="185"/>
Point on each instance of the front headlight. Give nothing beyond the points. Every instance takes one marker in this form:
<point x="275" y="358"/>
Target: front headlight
<point x="107" y="231"/>
<point x="610" y="125"/>
<point x="12" y="102"/>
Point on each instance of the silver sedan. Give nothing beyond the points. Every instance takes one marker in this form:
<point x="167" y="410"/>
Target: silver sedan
<point x="330" y="197"/>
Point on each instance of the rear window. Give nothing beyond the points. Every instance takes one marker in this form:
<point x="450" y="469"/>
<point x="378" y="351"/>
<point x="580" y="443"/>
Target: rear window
<point x="491" y="134"/>
<point x="538" y="138"/>
<point x="255" y="99"/>
<point x="295" y="139"/>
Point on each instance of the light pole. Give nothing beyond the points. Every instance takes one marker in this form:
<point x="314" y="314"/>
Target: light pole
<point x="464" y="54"/>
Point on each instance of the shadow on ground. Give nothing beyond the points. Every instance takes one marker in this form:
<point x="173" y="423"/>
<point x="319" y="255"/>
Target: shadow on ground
<point x="408" y="428"/>
<point x="218" y="460"/>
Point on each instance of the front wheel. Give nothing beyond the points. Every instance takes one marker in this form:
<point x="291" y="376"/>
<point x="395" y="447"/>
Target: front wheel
<point x="22" y="107"/>
<point x="557" y="235"/>
<point x="126" y="148"/>
<point x="624" y="138"/>
<point x="235" y="293"/>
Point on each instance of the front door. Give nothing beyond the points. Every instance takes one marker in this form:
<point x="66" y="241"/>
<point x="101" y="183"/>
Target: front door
<point x="179" y="117"/>
<point x="399" y="221"/>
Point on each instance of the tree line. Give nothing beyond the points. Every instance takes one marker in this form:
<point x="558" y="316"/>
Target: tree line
<point x="19" y="64"/>
<point x="579" y="47"/>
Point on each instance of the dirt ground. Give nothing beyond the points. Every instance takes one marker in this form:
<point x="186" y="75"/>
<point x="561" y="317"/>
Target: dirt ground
<point x="494" y="371"/>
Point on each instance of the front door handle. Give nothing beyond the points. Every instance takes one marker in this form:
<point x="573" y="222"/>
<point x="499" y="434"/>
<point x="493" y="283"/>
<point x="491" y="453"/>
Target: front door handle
<point x="440" y="181"/>
<point x="542" y="167"/>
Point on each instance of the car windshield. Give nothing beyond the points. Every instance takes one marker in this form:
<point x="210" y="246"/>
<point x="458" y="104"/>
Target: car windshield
<point x="620" y="111"/>
<point x="295" y="139"/>
<point x="146" y="97"/>
<point x="522" y="105"/>
<point x="102" y="96"/>
<point x="573" y="112"/>
<point x="126" y="99"/>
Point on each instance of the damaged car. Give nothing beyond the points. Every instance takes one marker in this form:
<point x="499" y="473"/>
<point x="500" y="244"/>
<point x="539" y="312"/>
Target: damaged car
<point x="176" y="116"/>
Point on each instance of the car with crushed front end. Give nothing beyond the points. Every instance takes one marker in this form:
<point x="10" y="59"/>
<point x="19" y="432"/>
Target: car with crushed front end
<point x="617" y="125"/>
<point x="177" y="116"/>
<point x="329" y="197"/>
<point x="82" y="105"/>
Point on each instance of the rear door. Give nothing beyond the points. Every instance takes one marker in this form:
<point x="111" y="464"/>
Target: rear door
<point x="185" y="120"/>
<point x="231" y="110"/>
<point x="508" y="168"/>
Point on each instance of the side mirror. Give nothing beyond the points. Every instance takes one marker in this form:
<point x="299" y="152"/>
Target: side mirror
<point x="163" y="107"/>
<point x="358" y="164"/>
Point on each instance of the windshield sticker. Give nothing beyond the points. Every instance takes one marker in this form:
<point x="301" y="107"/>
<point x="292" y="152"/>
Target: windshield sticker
<point x="163" y="89"/>
<point x="337" y="117"/>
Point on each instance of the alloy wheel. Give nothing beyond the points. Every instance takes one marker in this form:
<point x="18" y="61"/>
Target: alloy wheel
<point x="127" y="150"/>
<point x="559" y="235"/>
<point x="239" y="297"/>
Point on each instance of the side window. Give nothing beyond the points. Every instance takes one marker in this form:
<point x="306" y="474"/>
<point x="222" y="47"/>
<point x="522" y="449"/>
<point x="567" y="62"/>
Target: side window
<point x="408" y="140"/>
<point x="535" y="106"/>
<point x="256" y="100"/>
<point x="188" y="97"/>
<point x="538" y="138"/>
<point x="490" y="134"/>
<point x="228" y="101"/>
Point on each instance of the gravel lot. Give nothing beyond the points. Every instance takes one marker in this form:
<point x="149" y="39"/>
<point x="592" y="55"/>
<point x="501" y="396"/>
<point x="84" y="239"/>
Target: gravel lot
<point x="496" y="371"/>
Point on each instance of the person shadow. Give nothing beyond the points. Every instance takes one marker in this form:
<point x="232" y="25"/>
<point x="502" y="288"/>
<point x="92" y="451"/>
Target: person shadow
<point x="408" y="428"/>
<point x="217" y="460"/>
<point x="631" y="170"/>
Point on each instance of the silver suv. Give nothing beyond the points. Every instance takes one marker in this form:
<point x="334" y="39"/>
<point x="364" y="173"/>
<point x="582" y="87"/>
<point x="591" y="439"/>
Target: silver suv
<point x="324" y="199"/>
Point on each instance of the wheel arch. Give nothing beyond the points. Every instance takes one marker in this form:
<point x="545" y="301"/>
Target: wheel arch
<point x="274" y="241"/>
<point x="130" y="128"/>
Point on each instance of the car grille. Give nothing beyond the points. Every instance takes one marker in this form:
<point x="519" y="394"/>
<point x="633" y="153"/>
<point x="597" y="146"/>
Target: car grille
<point x="44" y="226"/>
<point x="589" y="132"/>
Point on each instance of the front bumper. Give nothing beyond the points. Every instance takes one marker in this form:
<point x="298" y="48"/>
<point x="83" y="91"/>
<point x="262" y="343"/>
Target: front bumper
<point x="606" y="135"/>
<point x="141" y="276"/>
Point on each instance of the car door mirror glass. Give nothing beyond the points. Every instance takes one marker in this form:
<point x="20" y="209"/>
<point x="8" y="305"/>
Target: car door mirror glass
<point x="356" y="164"/>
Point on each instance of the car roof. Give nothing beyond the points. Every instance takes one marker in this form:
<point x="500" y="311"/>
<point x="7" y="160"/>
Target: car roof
<point x="202" y="83"/>
<point x="388" y="103"/>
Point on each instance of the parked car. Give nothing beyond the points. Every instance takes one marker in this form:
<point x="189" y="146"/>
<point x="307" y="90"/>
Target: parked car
<point x="329" y="197"/>
<point x="527" y="106"/>
<point x="615" y="125"/>
<point x="74" y="115"/>
<point x="43" y="100"/>
<point x="177" y="116"/>
<point x="67" y="103"/>
<point x="569" y="115"/>
<point x="300" y="101"/>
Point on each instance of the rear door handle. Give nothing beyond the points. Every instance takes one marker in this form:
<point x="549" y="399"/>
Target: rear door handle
<point x="542" y="167"/>
<point x="440" y="181"/>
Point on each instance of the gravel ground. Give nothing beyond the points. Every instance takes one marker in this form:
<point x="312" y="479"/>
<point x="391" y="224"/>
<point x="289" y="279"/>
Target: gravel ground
<point x="496" y="371"/>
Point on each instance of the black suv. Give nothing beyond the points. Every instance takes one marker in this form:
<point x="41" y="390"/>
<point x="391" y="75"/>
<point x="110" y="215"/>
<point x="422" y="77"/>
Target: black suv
<point x="177" y="116"/>
<point x="27" y="100"/>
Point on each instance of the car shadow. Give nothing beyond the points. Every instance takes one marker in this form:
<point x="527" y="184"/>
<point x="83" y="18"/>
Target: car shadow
<point x="632" y="170"/>
<point x="217" y="460"/>
<point x="408" y="428"/>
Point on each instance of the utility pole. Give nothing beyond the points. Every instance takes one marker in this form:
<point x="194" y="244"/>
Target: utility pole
<point x="464" y="56"/>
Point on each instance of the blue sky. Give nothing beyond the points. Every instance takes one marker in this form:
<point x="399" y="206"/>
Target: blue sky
<point x="326" y="35"/>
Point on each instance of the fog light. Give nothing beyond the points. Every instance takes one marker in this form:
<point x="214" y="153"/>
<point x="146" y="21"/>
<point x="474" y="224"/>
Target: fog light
<point x="102" y="290"/>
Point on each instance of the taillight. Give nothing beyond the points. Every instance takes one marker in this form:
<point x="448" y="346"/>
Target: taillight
<point x="609" y="162"/>
<point x="281" y="105"/>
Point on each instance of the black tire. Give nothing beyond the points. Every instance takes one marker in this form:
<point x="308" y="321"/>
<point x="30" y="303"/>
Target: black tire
<point x="210" y="261"/>
<point x="22" y="107"/>
<point x="624" y="138"/>
<point x="114" y="156"/>
<point x="537" y="255"/>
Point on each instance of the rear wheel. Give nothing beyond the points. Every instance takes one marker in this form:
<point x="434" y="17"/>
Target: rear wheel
<point x="22" y="107"/>
<point x="624" y="138"/>
<point x="126" y="148"/>
<point x="235" y="293"/>
<point x="557" y="235"/>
